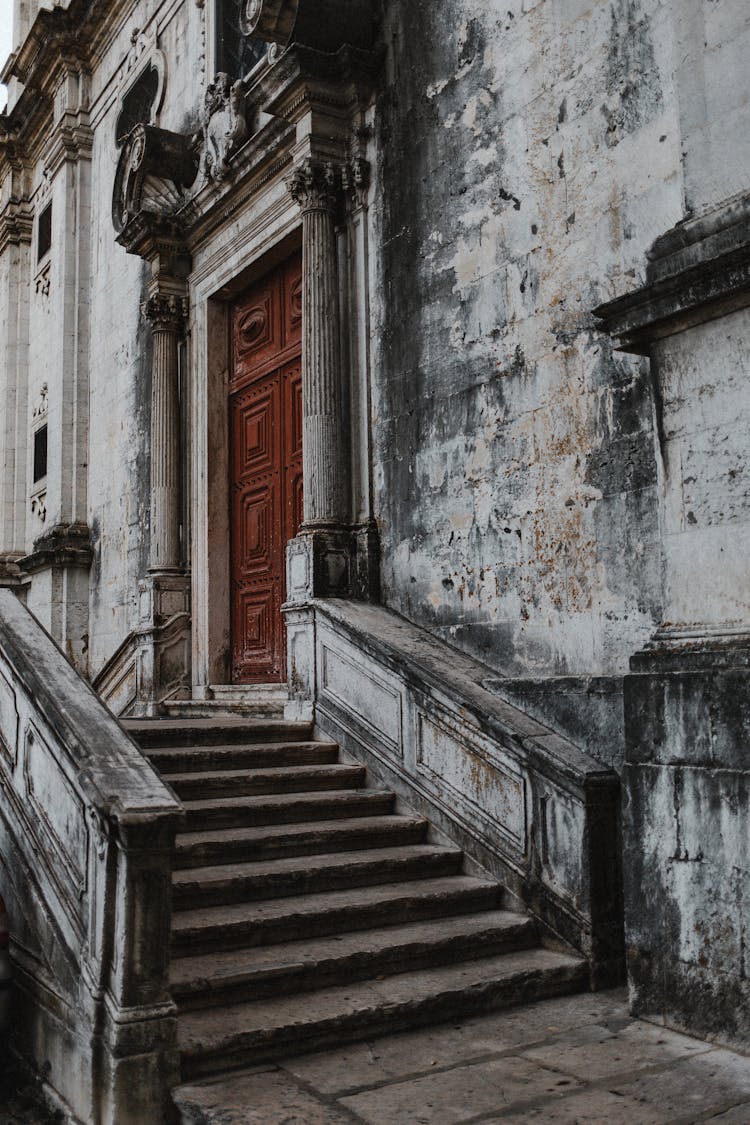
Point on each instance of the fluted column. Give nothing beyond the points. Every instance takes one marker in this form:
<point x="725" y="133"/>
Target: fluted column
<point x="166" y="315"/>
<point x="316" y="187"/>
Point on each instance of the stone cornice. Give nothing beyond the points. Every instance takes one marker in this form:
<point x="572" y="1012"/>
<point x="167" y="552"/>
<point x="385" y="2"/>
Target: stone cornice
<point x="16" y="225"/>
<point x="698" y="271"/>
<point x="67" y="544"/>
<point x="71" y="141"/>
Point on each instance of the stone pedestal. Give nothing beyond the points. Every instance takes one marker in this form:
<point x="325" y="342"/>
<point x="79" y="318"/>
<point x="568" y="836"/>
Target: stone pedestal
<point x="686" y="809"/>
<point x="163" y="653"/>
<point x="163" y="657"/>
<point x="58" y="593"/>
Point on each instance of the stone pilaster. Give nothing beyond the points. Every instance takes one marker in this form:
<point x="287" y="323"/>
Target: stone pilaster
<point x="163" y="634"/>
<point x="316" y="188"/>
<point x="166" y="315"/>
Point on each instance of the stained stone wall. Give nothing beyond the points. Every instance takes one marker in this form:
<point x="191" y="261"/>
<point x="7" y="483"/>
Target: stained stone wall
<point x="527" y="157"/>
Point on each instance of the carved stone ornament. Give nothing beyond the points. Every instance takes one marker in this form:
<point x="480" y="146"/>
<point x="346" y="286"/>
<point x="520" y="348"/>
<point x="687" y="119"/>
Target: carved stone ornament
<point x="224" y="125"/>
<point x="272" y="20"/>
<point x="356" y="180"/>
<point x="155" y="168"/>
<point x="316" y="185"/>
<point x="166" y="312"/>
<point x="42" y="403"/>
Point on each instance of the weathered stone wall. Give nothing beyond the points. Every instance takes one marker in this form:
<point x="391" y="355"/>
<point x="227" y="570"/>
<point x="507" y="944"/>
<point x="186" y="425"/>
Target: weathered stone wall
<point x="527" y="158"/>
<point x="120" y="338"/>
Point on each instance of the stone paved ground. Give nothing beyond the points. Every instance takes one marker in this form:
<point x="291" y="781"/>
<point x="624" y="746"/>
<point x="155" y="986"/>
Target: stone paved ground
<point x="575" y="1060"/>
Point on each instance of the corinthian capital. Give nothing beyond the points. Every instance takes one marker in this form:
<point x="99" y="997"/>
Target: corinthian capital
<point x="166" y="312"/>
<point x="316" y="185"/>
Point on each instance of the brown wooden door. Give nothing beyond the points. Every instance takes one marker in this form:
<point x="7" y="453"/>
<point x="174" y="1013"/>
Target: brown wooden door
<point x="265" y="427"/>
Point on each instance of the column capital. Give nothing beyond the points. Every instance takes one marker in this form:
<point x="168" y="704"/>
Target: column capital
<point x="166" y="312"/>
<point x="316" y="185"/>
<point x="320" y="185"/>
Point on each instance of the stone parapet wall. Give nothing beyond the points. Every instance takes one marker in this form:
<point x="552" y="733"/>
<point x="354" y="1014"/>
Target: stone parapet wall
<point x="86" y="836"/>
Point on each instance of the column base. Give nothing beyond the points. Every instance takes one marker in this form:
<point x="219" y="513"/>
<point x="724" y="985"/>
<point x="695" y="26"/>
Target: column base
<point x="163" y="638"/>
<point x="686" y="822"/>
<point x="334" y="563"/>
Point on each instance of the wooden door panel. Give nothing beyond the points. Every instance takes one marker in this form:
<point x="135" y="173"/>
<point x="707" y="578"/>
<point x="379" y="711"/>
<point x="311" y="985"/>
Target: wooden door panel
<point x="255" y="642"/>
<point x="257" y="330"/>
<point x="265" y="406"/>
<point x="255" y="432"/>
<point x="255" y="518"/>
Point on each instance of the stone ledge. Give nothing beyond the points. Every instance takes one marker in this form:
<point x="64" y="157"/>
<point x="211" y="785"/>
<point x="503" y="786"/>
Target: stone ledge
<point x="698" y="271"/>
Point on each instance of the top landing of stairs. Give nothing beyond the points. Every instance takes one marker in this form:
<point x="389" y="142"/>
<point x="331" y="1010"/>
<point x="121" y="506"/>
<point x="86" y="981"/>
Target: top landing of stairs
<point x="221" y="730"/>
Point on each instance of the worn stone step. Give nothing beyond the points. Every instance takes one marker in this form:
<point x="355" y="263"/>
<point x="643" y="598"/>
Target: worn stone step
<point x="303" y="966"/>
<point x="216" y="759"/>
<point x="278" y="878"/>
<point x="243" y="845"/>
<point x="284" y="779"/>
<point x="150" y="733"/>
<point x="286" y="808"/>
<point x="291" y="919"/>
<point x="214" y="1039"/>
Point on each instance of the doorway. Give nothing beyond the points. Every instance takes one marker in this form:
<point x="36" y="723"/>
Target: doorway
<point x="265" y="467"/>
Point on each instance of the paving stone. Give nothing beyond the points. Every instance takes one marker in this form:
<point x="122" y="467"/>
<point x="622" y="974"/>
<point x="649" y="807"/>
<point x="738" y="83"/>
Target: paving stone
<point x="411" y="1053"/>
<point x="692" y="1088"/>
<point x="589" y="1106"/>
<point x="458" y="1094"/>
<point x="265" y="1098"/>
<point x="738" y="1115"/>
<point x="596" y="1052"/>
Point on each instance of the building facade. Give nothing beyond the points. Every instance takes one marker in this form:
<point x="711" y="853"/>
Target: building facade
<point x="396" y="353"/>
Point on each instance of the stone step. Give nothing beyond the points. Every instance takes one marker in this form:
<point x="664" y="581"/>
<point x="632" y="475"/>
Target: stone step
<point x="230" y="978"/>
<point x="269" y="707"/>
<point x="286" y="808"/>
<point x="150" y="733"/>
<point x="313" y="915"/>
<point x="217" y="759"/>
<point x="285" y="779"/>
<point x="218" y="1039"/>
<point x="279" y="878"/>
<point x="243" y="845"/>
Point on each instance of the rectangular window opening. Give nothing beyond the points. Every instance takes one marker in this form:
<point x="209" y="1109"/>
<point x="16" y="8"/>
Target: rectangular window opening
<point x="40" y="454"/>
<point x="44" y="233"/>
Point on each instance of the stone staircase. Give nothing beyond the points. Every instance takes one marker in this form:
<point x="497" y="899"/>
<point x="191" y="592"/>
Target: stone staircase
<point x="308" y="910"/>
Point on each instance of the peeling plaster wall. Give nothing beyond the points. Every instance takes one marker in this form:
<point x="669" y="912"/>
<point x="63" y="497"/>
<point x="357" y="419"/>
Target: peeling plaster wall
<point x="528" y="156"/>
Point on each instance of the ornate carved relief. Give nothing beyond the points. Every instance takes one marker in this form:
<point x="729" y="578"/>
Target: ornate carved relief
<point x="224" y="125"/>
<point x="253" y="329"/>
<point x="319" y="185"/>
<point x="315" y="185"/>
<point x="42" y="282"/>
<point x="39" y="506"/>
<point x="42" y="403"/>
<point x="166" y="312"/>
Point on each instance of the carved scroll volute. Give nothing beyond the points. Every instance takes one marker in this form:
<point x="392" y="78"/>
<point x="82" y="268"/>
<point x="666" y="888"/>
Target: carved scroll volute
<point x="150" y="160"/>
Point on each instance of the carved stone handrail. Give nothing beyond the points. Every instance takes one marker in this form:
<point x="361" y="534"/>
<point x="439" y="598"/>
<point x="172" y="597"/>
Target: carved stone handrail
<point x="86" y="840"/>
